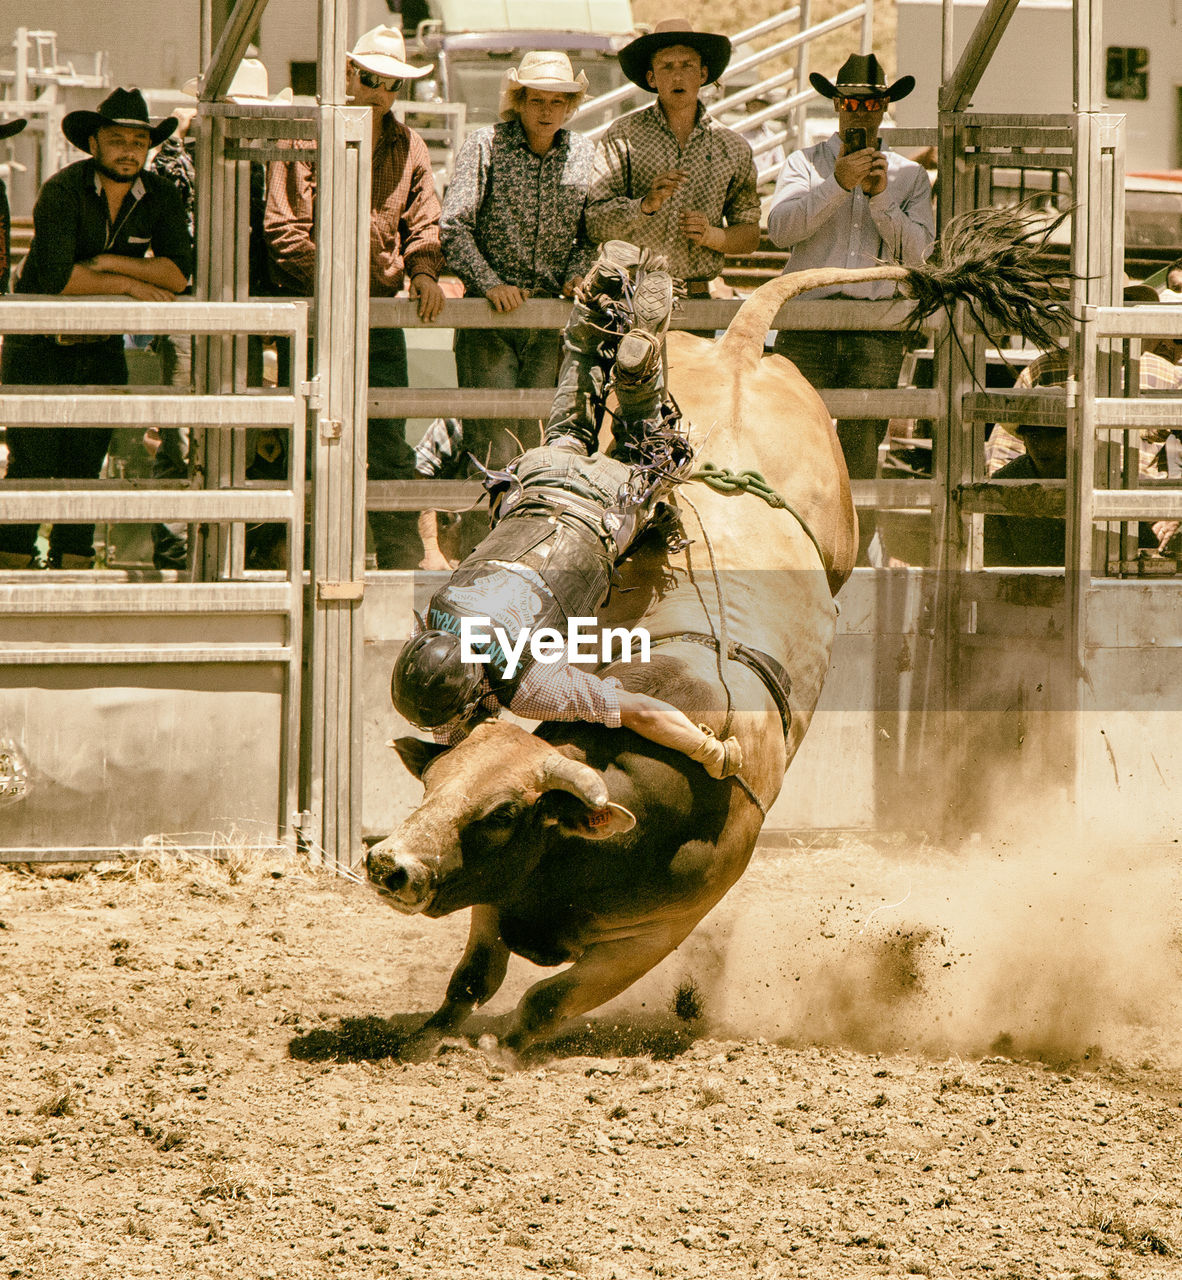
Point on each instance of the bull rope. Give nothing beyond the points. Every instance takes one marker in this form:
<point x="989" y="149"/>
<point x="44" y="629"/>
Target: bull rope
<point x="724" y="480"/>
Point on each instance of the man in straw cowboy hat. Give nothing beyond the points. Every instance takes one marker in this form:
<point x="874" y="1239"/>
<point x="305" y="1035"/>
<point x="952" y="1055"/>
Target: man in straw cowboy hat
<point x="847" y="202"/>
<point x="404" y="247"/>
<point x="670" y="178"/>
<point x="513" y="228"/>
<point x="93" y="224"/>
<point x="8" y="129"/>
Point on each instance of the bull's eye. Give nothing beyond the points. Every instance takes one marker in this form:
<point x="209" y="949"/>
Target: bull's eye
<point x="504" y="815"/>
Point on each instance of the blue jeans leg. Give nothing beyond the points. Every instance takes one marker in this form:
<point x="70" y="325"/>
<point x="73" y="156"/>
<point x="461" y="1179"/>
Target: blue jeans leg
<point x="511" y="359"/>
<point x="389" y="457"/>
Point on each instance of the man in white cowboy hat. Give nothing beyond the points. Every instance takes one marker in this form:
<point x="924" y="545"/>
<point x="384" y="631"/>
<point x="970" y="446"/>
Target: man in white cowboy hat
<point x="669" y="177"/>
<point x="847" y="202"/>
<point x="93" y="225"/>
<point x="8" y="129"/>
<point x="512" y="229"/>
<point x="404" y="248"/>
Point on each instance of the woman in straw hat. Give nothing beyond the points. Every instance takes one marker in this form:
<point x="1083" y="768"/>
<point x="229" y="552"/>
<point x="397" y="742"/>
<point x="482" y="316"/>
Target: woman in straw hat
<point x="512" y="228"/>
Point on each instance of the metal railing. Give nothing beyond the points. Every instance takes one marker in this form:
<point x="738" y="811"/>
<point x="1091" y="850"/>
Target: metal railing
<point x="261" y="621"/>
<point x="537" y="313"/>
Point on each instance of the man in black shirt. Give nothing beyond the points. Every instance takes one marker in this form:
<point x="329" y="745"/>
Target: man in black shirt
<point x="93" y="226"/>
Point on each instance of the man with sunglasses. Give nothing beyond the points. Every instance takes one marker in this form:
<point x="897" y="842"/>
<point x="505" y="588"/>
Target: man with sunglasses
<point x="847" y="202"/>
<point x="404" y="246"/>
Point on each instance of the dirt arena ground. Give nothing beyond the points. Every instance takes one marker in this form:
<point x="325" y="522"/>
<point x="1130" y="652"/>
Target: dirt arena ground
<point x="907" y="1062"/>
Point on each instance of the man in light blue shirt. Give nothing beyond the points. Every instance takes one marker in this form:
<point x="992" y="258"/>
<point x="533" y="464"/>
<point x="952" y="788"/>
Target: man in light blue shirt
<point x="847" y="203"/>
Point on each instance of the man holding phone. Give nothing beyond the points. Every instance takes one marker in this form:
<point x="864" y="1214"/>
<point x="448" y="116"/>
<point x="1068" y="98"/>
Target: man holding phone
<point x="847" y="202"/>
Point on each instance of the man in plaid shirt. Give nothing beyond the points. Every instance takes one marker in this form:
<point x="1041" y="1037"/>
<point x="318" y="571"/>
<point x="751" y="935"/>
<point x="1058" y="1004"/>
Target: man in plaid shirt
<point x="404" y="245"/>
<point x="669" y="178"/>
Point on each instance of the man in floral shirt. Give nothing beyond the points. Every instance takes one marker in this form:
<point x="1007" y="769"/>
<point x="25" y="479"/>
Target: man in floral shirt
<point x="512" y="228"/>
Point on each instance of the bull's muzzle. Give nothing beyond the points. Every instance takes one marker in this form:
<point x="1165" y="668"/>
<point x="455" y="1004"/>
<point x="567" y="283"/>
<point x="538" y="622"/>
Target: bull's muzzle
<point x="403" y="880"/>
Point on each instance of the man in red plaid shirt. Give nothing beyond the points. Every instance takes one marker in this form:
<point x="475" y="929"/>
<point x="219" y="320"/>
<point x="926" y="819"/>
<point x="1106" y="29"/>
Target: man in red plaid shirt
<point x="404" y="246"/>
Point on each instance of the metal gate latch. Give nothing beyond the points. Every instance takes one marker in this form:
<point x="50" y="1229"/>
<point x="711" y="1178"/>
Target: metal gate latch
<point x="327" y="589"/>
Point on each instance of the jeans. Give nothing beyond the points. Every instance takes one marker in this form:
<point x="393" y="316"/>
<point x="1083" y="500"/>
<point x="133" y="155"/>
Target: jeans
<point x="389" y="457"/>
<point x="170" y="542"/>
<point x="57" y="453"/>
<point x="849" y="358"/>
<point x="508" y="358"/>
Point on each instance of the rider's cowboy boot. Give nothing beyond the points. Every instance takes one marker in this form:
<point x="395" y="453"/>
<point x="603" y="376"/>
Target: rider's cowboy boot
<point x="639" y="371"/>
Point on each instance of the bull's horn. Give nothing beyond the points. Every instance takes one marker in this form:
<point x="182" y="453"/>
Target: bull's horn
<point x="564" y="774"/>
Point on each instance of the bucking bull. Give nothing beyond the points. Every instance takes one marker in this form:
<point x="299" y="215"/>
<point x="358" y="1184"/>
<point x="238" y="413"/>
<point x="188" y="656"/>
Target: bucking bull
<point x="596" y="847"/>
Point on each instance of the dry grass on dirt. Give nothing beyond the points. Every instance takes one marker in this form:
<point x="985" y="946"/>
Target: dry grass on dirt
<point x="870" y="1060"/>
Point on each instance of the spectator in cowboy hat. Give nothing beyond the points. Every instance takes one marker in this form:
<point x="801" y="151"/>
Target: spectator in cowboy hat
<point x="513" y="228"/>
<point x="9" y="129"/>
<point x="404" y="246"/>
<point x="669" y="177"/>
<point x="849" y="202"/>
<point x="93" y="224"/>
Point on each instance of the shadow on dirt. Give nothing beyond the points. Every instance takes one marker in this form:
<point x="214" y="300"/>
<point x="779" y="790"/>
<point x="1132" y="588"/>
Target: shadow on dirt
<point x="370" y="1039"/>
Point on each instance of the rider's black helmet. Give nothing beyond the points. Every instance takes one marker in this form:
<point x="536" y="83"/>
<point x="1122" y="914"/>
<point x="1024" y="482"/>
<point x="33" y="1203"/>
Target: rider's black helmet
<point x="431" y="684"/>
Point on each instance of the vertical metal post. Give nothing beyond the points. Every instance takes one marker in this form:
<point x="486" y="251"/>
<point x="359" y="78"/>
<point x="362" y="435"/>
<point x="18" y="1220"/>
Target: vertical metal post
<point x="1097" y="274"/>
<point x="205" y="35"/>
<point x="947" y="55"/>
<point x="867" y="41"/>
<point x="950" y="464"/>
<point x="332" y="732"/>
<point x="802" y="74"/>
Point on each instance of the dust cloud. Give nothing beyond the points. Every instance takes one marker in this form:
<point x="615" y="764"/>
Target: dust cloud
<point x="1017" y="948"/>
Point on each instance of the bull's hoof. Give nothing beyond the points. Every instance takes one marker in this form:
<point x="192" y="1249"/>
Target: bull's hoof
<point x="425" y="1045"/>
<point x="498" y="1054"/>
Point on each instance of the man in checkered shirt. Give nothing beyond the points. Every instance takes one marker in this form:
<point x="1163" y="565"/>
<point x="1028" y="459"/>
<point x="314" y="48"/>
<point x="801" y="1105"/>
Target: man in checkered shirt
<point x="670" y="178"/>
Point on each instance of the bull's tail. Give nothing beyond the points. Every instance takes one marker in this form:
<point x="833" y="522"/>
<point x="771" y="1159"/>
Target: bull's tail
<point x="988" y="259"/>
<point x="744" y="337"/>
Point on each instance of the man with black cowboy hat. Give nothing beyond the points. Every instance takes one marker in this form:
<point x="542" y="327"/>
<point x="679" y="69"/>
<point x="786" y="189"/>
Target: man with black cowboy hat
<point x="848" y="203"/>
<point x="668" y="177"/>
<point x="93" y="224"/>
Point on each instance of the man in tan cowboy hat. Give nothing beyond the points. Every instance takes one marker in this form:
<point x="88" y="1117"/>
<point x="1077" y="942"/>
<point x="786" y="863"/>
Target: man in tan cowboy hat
<point x="513" y="228"/>
<point x="668" y="177"/>
<point x="848" y="202"/>
<point x="404" y="248"/>
<point x="8" y="129"/>
<point x="93" y="224"/>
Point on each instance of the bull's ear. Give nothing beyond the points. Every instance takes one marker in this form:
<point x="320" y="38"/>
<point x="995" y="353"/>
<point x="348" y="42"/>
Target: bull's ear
<point x="600" y="824"/>
<point x="417" y="754"/>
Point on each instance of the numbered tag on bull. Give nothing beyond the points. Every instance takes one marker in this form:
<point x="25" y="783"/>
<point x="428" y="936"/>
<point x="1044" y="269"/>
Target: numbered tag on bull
<point x="608" y="820"/>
